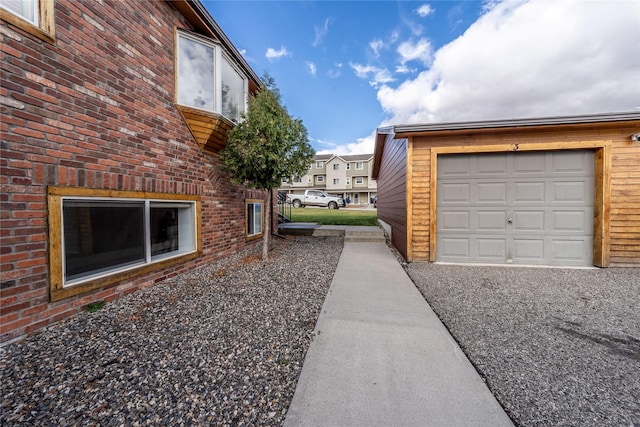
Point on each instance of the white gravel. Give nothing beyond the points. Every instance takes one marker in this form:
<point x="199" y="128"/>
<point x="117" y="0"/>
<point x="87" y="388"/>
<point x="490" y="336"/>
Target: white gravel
<point x="222" y="345"/>
<point x="557" y="347"/>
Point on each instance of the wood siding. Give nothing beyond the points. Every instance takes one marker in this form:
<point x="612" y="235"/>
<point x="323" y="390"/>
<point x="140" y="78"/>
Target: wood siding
<point x="392" y="192"/>
<point x="619" y="174"/>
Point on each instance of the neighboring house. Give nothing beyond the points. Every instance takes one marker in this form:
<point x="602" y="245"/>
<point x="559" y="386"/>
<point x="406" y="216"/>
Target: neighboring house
<point x="551" y="191"/>
<point x="113" y="113"/>
<point x="348" y="176"/>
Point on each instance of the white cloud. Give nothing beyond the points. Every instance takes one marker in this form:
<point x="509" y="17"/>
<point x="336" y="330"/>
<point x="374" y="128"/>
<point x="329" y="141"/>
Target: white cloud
<point x="335" y="72"/>
<point x="376" y="46"/>
<point x="527" y="59"/>
<point x="425" y="10"/>
<point x="311" y="67"/>
<point x="410" y="51"/>
<point x="378" y="76"/>
<point x="321" y="32"/>
<point x="276" y="54"/>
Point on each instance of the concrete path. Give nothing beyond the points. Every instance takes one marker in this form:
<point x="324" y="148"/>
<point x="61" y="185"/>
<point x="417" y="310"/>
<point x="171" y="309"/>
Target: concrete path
<point x="381" y="357"/>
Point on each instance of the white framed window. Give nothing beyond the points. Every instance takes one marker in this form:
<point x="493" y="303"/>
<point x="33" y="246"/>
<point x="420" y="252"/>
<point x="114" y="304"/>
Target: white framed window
<point x="106" y="236"/>
<point x="254" y="217"/>
<point x="359" y="165"/>
<point x="336" y="166"/>
<point x="336" y="181"/>
<point x="348" y="180"/>
<point x="33" y="16"/>
<point x="285" y="180"/>
<point x="207" y="80"/>
<point x="297" y="180"/>
<point x="320" y="178"/>
<point x="319" y="165"/>
<point x="349" y="166"/>
<point x="359" y="180"/>
<point x="96" y="239"/>
<point x="25" y="9"/>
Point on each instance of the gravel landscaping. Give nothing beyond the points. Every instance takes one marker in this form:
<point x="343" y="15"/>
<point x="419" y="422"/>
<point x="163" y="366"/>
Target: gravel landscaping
<point x="222" y="345"/>
<point x="557" y="347"/>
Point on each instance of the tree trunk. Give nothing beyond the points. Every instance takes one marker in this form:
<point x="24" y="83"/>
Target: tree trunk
<point x="267" y="226"/>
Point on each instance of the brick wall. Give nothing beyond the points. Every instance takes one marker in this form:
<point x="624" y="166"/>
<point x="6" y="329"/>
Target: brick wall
<point x="95" y="110"/>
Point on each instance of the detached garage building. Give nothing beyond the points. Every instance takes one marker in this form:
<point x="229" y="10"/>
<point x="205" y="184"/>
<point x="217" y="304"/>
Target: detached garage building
<point x="559" y="191"/>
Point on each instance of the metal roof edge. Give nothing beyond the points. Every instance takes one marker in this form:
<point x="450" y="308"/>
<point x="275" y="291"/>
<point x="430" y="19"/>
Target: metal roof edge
<point x="540" y="121"/>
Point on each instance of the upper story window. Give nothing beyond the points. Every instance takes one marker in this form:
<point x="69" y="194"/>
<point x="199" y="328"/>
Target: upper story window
<point x="36" y="17"/>
<point x="336" y="181"/>
<point x="359" y="165"/>
<point x="348" y="166"/>
<point x="359" y="180"/>
<point x="320" y="178"/>
<point x="319" y="165"/>
<point x="207" y="80"/>
<point x="336" y="166"/>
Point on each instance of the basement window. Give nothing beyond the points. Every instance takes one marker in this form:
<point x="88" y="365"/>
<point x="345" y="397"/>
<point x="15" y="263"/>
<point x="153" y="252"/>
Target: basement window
<point x="36" y="17"/>
<point x="254" y="217"/>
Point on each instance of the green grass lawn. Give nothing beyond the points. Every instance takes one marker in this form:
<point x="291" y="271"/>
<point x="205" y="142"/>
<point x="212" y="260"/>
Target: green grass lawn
<point x="343" y="216"/>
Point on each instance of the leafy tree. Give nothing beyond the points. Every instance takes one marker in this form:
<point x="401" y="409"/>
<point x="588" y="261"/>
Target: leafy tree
<point x="265" y="147"/>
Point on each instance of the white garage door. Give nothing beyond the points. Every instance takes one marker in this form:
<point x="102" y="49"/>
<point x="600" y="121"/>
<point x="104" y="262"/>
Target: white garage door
<point x="529" y="208"/>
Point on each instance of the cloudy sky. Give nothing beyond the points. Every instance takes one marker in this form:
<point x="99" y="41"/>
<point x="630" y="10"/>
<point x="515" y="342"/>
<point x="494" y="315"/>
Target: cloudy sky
<point x="346" y="68"/>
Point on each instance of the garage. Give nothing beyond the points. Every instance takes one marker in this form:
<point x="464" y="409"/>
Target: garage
<point x="524" y="208"/>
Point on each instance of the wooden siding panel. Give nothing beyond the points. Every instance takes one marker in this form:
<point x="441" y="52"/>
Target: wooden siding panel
<point x="392" y="192"/>
<point x="420" y="183"/>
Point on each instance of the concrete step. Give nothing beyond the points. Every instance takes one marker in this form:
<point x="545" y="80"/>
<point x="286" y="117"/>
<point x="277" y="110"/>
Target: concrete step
<point x="369" y="236"/>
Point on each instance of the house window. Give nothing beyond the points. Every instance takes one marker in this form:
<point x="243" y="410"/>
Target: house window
<point x="348" y="180"/>
<point x="320" y="178"/>
<point x="285" y="180"/>
<point x="348" y="166"/>
<point x="359" y="166"/>
<point x="336" y="166"/>
<point x="319" y="165"/>
<point x="359" y="180"/>
<point x="297" y="180"/>
<point x="201" y="65"/>
<point x="336" y="181"/>
<point x="254" y="217"/>
<point x="97" y="239"/>
<point x="36" y="17"/>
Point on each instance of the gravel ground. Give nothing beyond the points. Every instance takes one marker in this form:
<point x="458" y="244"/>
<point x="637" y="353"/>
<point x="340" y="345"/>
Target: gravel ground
<point x="557" y="347"/>
<point x="222" y="345"/>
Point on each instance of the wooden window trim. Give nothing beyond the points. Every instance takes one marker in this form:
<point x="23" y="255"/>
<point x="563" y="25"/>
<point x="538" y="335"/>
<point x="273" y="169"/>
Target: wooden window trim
<point x="45" y="30"/>
<point x="602" y="190"/>
<point x="54" y="204"/>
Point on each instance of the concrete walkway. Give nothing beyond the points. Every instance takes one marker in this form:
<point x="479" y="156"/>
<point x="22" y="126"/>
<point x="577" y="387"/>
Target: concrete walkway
<point x="381" y="357"/>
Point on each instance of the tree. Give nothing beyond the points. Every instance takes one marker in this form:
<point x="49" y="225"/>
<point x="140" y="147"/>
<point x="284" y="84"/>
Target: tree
<point x="265" y="147"/>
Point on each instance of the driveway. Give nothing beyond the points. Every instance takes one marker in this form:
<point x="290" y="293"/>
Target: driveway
<point x="557" y="347"/>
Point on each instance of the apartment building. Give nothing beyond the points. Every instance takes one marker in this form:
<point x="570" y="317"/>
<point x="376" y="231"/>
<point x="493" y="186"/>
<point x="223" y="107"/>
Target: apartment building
<point x="347" y="176"/>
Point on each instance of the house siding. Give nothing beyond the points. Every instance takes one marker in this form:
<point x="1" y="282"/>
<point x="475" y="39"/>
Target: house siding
<point x="392" y="192"/>
<point x="624" y="223"/>
<point x="95" y="110"/>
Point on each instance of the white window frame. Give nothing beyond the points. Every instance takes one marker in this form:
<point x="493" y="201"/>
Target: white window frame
<point x="41" y="26"/>
<point x="187" y="243"/>
<point x="320" y="178"/>
<point x="348" y="166"/>
<point x="336" y="166"/>
<point x="336" y="181"/>
<point x="359" y="180"/>
<point x="216" y="75"/>
<point x="319" y="165"/>
<point x="359" y="166"/>
<point x="258" y="217"/>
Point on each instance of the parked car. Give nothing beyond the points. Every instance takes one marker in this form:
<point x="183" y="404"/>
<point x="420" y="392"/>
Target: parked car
<point x="315" y="198"/>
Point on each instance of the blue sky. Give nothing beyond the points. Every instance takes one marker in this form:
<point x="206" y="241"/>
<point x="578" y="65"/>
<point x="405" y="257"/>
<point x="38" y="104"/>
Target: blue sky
<point x="348" y="67"/>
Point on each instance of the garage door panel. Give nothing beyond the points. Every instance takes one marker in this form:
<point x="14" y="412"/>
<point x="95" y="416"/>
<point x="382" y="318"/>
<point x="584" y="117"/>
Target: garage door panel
<point x="528" y="250"/>
<point x="572" y="192"/>
<point x="455" y="248"/>
<point x="491" y="249"/>
<point x="491" y="220"/>
<point x="455" y="166"/>
<point x="491" y="192"/>
<point x="527" y="192"/>
<point x="528" y="220"/>
<point x="494" y="164"/>
<point x="539" y="211"/>
<point x="455" y="193"/>
<point x="456" y="220"/>
<point x="529" y="164"/>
